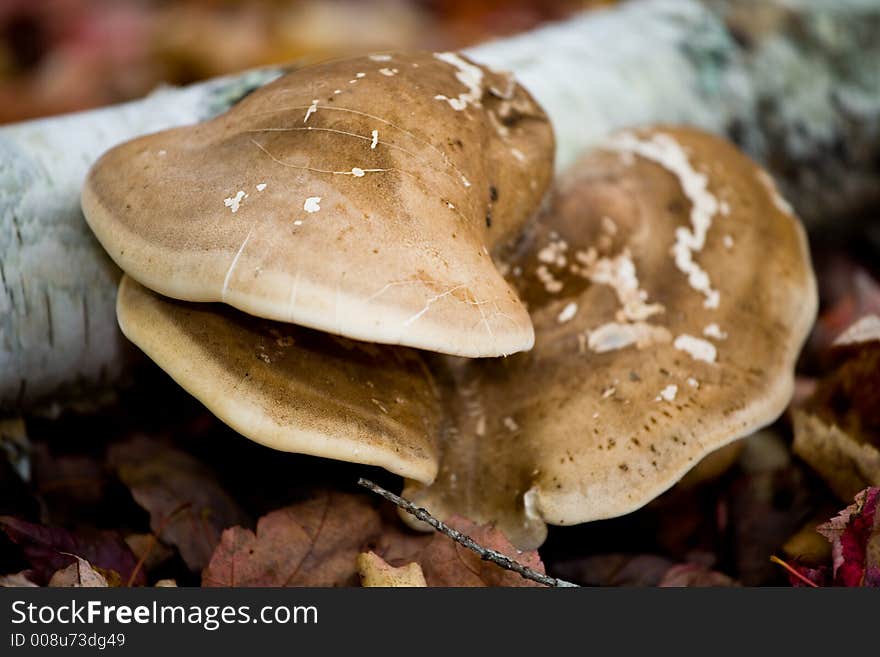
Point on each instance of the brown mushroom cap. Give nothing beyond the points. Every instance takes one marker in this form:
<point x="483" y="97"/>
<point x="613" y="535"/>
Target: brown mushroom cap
<point x="292" y="388"/>
<point x="361" y="197"/>
<point x="671" y="290"/>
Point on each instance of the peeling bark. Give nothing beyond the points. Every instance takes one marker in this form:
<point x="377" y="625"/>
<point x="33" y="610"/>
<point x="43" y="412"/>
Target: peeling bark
<point x="794" y="82"/>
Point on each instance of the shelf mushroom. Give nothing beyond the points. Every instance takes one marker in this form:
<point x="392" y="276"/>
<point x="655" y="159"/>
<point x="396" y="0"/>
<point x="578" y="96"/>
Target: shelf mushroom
<point x="669" y="287"/>
<point x="362" y="197"/>
<point x="293" y="388"/>
<point x="671" y="290"/>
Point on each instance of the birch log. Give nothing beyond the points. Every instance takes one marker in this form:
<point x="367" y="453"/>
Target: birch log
<point x="795" y="82"/>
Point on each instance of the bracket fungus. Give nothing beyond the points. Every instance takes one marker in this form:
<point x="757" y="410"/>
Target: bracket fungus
<point x="668" y="286"/>
<point x="361" y="197"/>
<point x="293" y="388"/>
<point x="671" y="290"/>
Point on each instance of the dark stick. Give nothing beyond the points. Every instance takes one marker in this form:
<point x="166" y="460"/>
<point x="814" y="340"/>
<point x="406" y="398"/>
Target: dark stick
<point x="462" y="539"/>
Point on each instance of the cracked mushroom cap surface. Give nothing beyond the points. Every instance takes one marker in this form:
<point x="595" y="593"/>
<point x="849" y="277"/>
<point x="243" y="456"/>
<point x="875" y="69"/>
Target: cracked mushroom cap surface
<point x="293" y="388"/>
<point x="671" y="289"/>
<point x="362" y="197"/>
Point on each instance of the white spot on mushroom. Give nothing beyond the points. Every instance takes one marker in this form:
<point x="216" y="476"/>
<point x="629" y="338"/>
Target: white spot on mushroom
<point x="608" y="392"/>
<point x="357" y="172"/>
<point x="469" y="75"/>
<point x="614" y="335"/>
<point x="311" y="204"/>
<point x="379" y="404"/>
<point x="727" y="240"/>
<point x="609" y="226"/>
<point x="692" y="382"/>
<point x="714" y="331"/>
<point x="510" y="423"/>
<point x="567" y="313"/>
<point x="163" y="153"/>
<point x="375" y="135"/>
<point x="337" y="91"/>
<point x="724" y="208"/>
<point x="234" y="202"/>
<point x="696" y="348"/>
<point x="518" y="154"/>
<point x="261" y="187"/>
<point x="619" y="273"/>
<point x="480" y="427"/>
<point x="551" y="284"/>
<point x="312" y="109"/>
<point x="360" y="75"/>
<point x="381" y="58"/>
<point x="298" y="222"/>
<point x="668" y="153"/>
<point x="465" y="181"/>
<point x="450" y="206"/>
<point x="668" y="393"/>
<point x="389" y="72"/>
<point x="554" y="253"/>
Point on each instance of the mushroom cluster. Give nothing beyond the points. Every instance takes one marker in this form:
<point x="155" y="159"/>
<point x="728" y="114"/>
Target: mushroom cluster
<point x="375" y="234"/>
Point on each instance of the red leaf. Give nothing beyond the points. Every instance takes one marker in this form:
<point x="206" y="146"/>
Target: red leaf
<point x="314" y="543"/>
<point x="855" y="541"/>
<point x="188" y="507"/>
<point x="49" y="549"/>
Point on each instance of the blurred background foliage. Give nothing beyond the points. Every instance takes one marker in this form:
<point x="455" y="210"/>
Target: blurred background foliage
<point x="66" y="55"/>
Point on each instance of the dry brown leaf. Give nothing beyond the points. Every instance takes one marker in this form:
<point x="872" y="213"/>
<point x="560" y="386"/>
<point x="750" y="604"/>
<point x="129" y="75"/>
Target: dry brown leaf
<point x="375" y="572"/>
<point x="188" y="506"/>
<point x="78" y="574"/>
<point x="846" y="465"/>
<point x="313" y="543"/>
<point x="150" y="549"/>
<point x="837" y="432"/>
<point x="49" y="549"/>
<point x="446" y="563"/>
<point x="694" y="575"/>
<point x="16" y="580"/>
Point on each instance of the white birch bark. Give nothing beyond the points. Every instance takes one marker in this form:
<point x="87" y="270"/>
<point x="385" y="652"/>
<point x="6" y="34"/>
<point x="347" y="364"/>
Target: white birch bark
<point x="795" y="82"/>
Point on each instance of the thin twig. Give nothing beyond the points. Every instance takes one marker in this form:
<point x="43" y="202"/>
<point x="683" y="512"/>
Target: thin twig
<point x="462" y="539"/>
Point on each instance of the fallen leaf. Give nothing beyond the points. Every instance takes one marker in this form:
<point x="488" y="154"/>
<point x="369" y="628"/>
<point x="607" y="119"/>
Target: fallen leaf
<point x="846" y="464"/>
<point x="850" y="293"/>
<point x="855" y="541"/>
<point x="15" y="580"/>
<point x="148" y="548"/>
<point x="615" y="569"/>
<point x="766" y="508"/>
<point x="807" y="547"/>
<point x="694" y="575"/>
<point x="375" y="572"/>
<point x="313" y="543"/>
<point x="71" y="486"/>
<point x="78" y="574"/>
<point x="188" y="507"/>
<point x="837" y="431"/>
<point x="446" y="563"/>
<point x="49" y="549"/>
